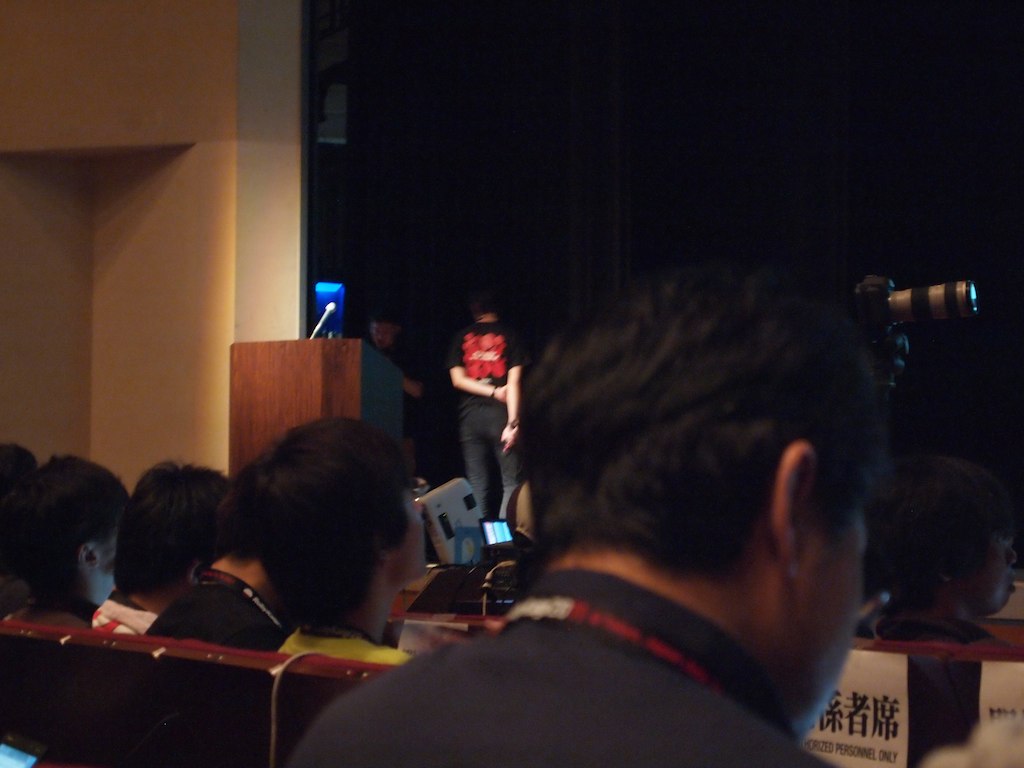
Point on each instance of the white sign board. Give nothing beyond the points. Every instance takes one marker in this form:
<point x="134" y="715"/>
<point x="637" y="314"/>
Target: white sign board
<point x="866" y="722"/>
<point x="1001" y="695"/>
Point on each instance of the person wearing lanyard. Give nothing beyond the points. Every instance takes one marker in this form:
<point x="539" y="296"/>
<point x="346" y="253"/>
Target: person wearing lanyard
<point x="323" y="534"/>
<point x="349" y="536"/>
<point x="234" y="602"/>
<point x="698" y="456"/>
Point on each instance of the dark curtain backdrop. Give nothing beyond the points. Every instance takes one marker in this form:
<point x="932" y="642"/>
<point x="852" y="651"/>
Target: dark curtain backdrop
<point x="556" y="149"/>
<point x="936" y="187"/>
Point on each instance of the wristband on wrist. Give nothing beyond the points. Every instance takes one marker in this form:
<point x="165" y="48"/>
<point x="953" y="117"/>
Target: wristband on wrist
<point x="514" y="424"/>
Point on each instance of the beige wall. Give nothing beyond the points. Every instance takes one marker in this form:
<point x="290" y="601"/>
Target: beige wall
<point x="120" y="190"/>
<point x="270" y="296"/>
<point x="163" y="280"/>
<point x="45" y="304"/>
<point x="116" y="73"/>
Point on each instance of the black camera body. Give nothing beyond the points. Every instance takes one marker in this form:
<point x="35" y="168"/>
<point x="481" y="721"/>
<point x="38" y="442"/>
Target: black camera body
<point x="881" y="308"/>
<point x="880" y="305"/>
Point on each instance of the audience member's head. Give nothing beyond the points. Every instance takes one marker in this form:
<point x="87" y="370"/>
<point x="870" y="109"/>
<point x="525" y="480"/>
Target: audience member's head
<point x="15" y="461"/>
<point x="329" y="513"/>
<point x="660" y="426"/>
<point x="941" y="539"/>
<point x="168" y="530"/>
<point x="60" y="531"/>
<point x="702" y="425"/>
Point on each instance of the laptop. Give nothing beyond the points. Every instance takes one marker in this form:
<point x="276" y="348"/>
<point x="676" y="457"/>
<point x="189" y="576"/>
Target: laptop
<point x="496" y="534"/>
<point x="453" y="522"/>
<point x="18" y="752"/>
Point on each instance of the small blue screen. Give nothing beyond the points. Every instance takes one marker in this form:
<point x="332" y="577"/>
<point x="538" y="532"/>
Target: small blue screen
<point x="325" y="294"/>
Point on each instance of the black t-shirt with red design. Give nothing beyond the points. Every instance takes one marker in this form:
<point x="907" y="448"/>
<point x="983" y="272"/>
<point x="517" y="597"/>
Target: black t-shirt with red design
<point x="487" y="351"/>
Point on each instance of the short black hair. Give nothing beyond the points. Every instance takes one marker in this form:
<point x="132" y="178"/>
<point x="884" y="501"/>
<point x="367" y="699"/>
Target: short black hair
<point x="385" y="315"/>
<point x="657" y="426"/>
<point x="483" y="300"/>
<point x="50" y="513"/>
<point x="15" y="461"/>
<point x="317" y="509"/>
<point x="170" y="522"/>
<point x="932" y="522"/>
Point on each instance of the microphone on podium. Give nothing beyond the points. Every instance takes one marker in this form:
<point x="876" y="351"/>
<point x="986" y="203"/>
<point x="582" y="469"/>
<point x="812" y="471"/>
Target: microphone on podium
<point x="328" y="311"/>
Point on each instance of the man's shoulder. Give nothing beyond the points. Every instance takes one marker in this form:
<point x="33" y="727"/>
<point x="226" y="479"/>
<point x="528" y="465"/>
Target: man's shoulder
<point x="217" y="614"/>
<point x="455" y="347"/>
<point x="510" y="701"/>
<point x="201" y="597"/>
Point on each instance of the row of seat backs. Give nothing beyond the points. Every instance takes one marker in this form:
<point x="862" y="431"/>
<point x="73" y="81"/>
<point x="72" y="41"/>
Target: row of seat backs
<point x="117" y="700"/>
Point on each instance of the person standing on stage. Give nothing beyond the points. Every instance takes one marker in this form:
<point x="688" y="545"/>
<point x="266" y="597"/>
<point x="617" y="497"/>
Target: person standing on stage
<point x="383" y="333"/>
<point x="698" y="454"/>
<point x="485" y="363"/>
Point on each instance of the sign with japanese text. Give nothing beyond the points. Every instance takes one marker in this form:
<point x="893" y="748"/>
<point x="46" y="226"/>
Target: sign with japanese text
<point x="867" y="719"/>
<point x="1001" y="695"/>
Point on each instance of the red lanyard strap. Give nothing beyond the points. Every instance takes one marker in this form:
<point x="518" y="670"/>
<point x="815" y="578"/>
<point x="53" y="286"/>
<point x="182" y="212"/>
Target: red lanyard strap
<point x="581" y="613"/>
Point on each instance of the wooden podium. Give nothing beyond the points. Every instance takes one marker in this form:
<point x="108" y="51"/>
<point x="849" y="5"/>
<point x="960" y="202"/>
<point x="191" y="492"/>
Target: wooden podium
<point x="276" y="385"/>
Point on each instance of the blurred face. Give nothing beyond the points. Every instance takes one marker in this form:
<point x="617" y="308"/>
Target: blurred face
<point x="384" y="334"/>
<point x="824" y="622"/>
<point x="986" y="590"/>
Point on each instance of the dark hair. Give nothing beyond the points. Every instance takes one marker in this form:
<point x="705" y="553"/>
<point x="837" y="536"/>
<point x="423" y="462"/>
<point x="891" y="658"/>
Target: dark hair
<point x="657" y="426"/>
<point x="169" y="523"/>
<point x="317" y="509"/>
<point x="15" y="461"/>
<point x="483" y="301"/>
<point x="933" y="522"/>
<point x="50" y="513"/>
<point x="385" y="315"/>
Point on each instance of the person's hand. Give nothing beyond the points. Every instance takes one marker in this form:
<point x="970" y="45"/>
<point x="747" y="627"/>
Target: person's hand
<point x="509" y="435"/>
<point x="412" y="388"/>
<point x="501" y="394"/>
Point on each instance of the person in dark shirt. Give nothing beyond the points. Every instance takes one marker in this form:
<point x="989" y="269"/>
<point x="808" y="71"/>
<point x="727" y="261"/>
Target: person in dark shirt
<point x="698" y="456"/>
<point x="941" y="542"/>
<point x="485" y="363"/>
<point x="348" y="536"/>
<point x="318" y="535"/>
<point x="166" y="537"/>
<point x="384" y="332"/>
<point x="234" y="602"/>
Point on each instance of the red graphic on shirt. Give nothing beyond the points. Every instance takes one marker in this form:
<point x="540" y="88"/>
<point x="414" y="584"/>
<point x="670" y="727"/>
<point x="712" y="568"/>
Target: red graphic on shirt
<point x="483" y="355"/>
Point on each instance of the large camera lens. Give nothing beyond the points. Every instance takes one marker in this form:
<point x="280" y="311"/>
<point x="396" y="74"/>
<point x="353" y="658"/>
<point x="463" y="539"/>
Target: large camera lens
<point x="934" y="302"/>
